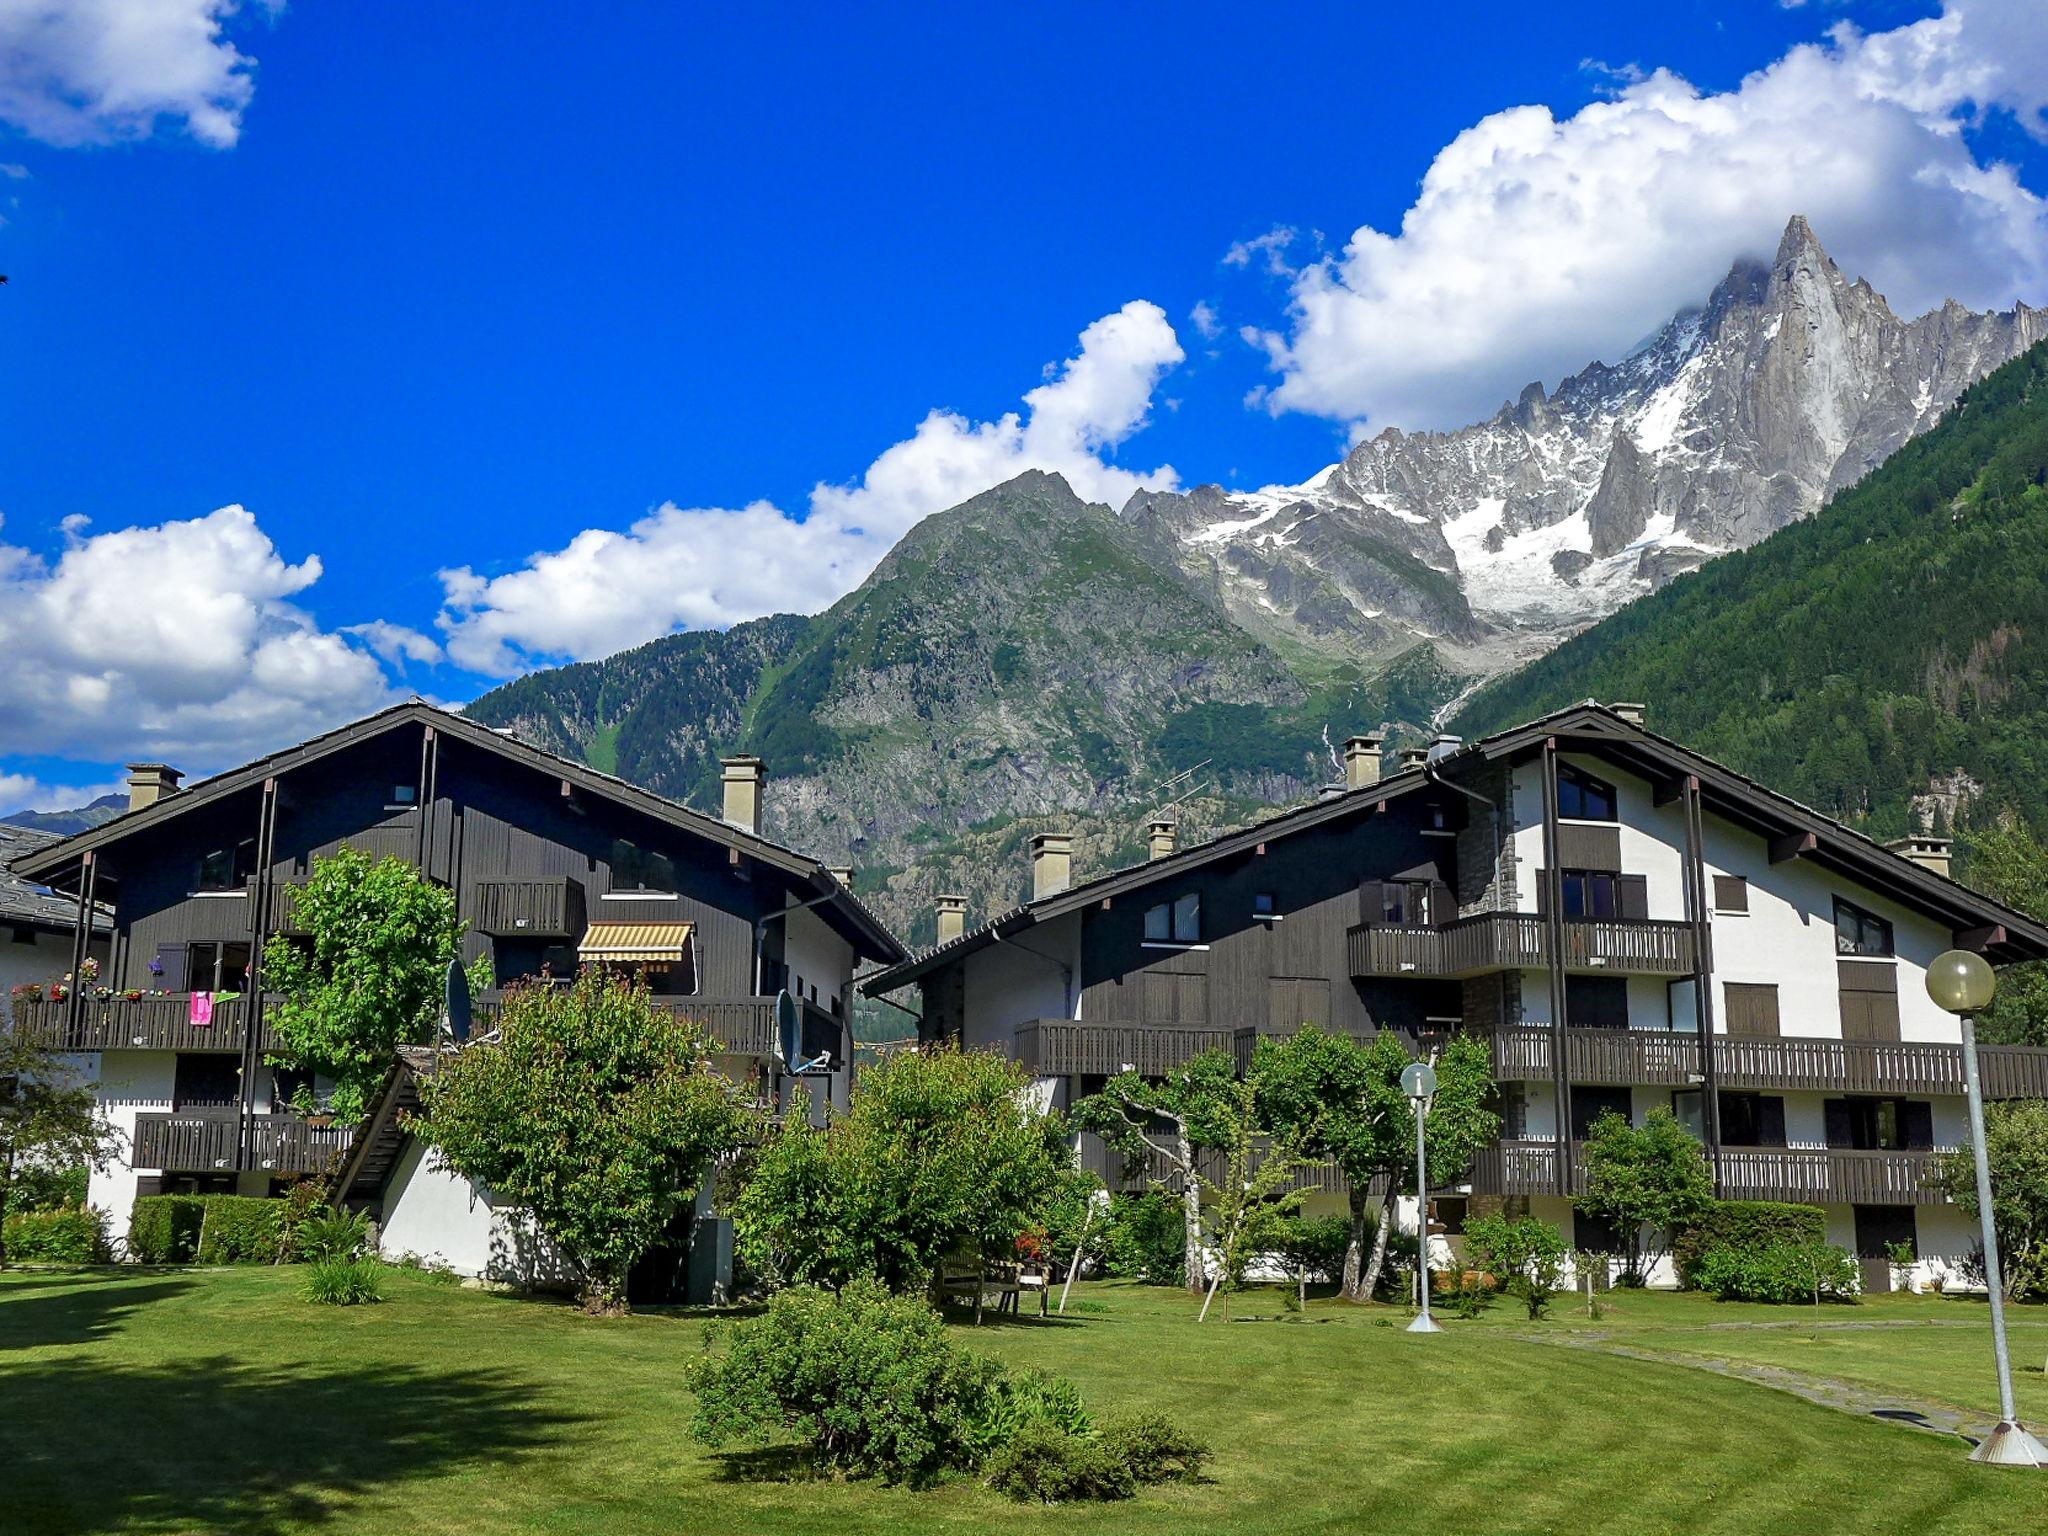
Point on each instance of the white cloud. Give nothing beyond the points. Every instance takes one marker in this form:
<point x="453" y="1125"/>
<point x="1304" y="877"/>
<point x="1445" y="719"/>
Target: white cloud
<point x="93" y="71"/>
<point x="1205" y="320"/>
<point x="1537" y="244"/>
<point x="396" y="643"/>
<point x="177" y="640"/>
<point x="692" y="567"/>
<point x="25" y="792"/>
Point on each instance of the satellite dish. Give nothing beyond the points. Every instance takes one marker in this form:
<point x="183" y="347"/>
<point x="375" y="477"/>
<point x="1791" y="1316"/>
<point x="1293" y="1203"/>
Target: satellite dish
<point x="1418" y="1080"/>
<point x="789" y="1037"/>
<point x="458" y="1002"/>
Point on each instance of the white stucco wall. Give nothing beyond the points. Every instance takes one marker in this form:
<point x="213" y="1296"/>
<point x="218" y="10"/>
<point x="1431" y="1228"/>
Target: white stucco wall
<point x="444" y="1219"/>
<point x="1034" y="976"/>
<point x="129" y="1083"/>
<point x="44" y="959"/>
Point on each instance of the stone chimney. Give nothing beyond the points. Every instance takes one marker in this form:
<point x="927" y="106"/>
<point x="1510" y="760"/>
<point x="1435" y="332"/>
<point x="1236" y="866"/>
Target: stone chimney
<point x="1924" y="848"/>
<point x="952" y="917"/>
<point x="1442" y="745"/>
<point x="843" y="873"/>
<point x="1632" y="713"/>
<point x="1160" y="835"/>
<point x="151" y="782"/>
<point x="1052" y="864"/>
<point x="1362" y="761"/>
<point x="1413" y="757"/>
<point x="744" y="777"/>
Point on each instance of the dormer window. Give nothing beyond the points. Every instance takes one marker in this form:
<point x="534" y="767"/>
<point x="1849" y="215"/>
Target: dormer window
<point x="1581" y="797"/>
<point x="1175" y="922"/>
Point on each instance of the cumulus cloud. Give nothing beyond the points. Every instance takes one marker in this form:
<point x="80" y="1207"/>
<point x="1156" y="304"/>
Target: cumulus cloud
<point x="26" y="792"/>
<point x="94" y="71"/>
<point x="180" y="640"/>
<point x="396" y="643"/>
<point x="1537" y="244"/>
<point x="693" y="567"/>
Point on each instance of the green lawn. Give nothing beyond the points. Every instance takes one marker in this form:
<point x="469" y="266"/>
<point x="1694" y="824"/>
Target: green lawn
<point x="218" y="1400"/>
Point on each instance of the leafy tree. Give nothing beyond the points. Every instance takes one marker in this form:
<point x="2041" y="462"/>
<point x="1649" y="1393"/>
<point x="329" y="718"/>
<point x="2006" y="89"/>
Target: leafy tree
<point x="49" y="1116"/>
<point x="2016" y="1140"/>
<point x="2008" y="862"/>
<point x="1653" y="1176"/>
<point x="1171" y="1123"/>
<point x="938" y="1151"/>
<point x="372" y="977"/>
<point x="1343" y="1101"/>
<point x="1525" y="1256"/>
<point x="594" y="1110"/>
<point x="1249" y="1204"/>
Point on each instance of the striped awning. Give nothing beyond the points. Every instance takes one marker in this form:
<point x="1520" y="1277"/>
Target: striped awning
<point x="635" y="941"/>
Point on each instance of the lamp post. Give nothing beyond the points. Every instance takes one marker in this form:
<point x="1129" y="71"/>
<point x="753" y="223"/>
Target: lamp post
<point x="1963" y="984"/>
<point x="1418" y="1081"/>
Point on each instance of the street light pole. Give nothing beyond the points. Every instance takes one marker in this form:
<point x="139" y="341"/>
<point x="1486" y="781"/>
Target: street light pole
<point x="1963" y="984"/>
<point x="1418" y="1082"/>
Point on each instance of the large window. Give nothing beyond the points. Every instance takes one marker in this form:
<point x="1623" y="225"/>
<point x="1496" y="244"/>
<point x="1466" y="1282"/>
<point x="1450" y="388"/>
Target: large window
<point x="229" y="868"/>
<point x="1589" y="893"/>
<point x="1581" y="797"/>
<point x="1880" y="1125"/>
<point x="638" y="869"/>
<point x="1858" y="932"/>
<point x="211" y="967"/>
<point x="1175" y="922"/>
<point x="1752" y="1120"/>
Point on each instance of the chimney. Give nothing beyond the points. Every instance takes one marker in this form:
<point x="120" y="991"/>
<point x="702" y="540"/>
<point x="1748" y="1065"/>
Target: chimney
<point x="1159" y="836"/>
<point x="1052" y="864"/>
<point x="1442" y="745"/>
<point x="952" y="917"/>
<point x="1925" y="849"/>
<point x="1413" y="757"/>
<point x="1632" y="713"/>
<point x="843" y="873"/>
<point x="743" y="779"/>
<point x="151" y="782"/>
<point x="1362" y="761"/>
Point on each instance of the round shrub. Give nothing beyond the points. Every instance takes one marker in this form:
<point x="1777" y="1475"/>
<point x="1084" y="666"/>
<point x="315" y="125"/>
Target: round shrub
<point x="1156" y="1449"/>
<point x="74" y="1236"/>
<point x="345" y="1282"/>
<point x="1052" y="1465"/>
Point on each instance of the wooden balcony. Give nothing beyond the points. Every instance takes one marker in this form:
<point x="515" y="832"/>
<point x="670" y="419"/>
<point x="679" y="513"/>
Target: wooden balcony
<point x="1078" y="1048"/>
<point x="536" y="909"/>
<point x="1809" y="1175"/>
<point x="208" y="1141"/>
<point x="1508" y="941"/>
<point x="740" y="1026"/>
<point x="158" y="1022"/>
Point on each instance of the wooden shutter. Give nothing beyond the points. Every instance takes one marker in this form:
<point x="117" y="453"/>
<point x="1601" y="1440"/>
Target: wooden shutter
<point x="1916" y="1124"/>
<point x="1870" y="999"/>
<point x="172" y="958"/>
<point x="1372" y="902"/>
<point x="1172" y="997"/>
<point x="1632" y="897"/>
<point x="1731" y="893"/>
<point x="1770" y="1122"/>
<point x="1442" y="908"/>
<point x="1840" y="1130"/>
<point x="1752" y="1008"/>
<point x="1297" y="1000"/>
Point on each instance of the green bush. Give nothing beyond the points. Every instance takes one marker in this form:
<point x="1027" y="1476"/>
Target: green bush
<point x="1147" y="1238"/>
<point x="38" y="1187"/>
<point x="1315" y="1243"/>
<point x="1779" y="1272"/>
<point x="865" y="1383"/>
<point x="331" y="1234"/>
<point x="240" y="1229"/>
<point x="164" y="1229"/>
<point x="1155" y="1448"/>
<point x="345" y="1282"/>
<point x="1051" y="1464"/>
<point x="1028" y="1397"/>
<point x="1744" y="1224"/>
<point x="74" y="1236"/>
<point x="1524" y="1254"/>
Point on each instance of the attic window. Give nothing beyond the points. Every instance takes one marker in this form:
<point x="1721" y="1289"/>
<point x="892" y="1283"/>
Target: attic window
<point x="404" y="794"/>
<point x="1176" y="922"/>
<point x="637" y="869"/>
<point x="1263" y="906"/>
<point x="227" y="869"/>
<point x="1581" y="797"/>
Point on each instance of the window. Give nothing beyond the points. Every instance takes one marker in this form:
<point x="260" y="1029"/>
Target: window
<point x="206" y="1080"/>
<point x="1589" y="893"/>
<point x="1581" y="797"/>
<point x="1688" y="1106"/>
<point x="1405" y="903"/>
<point x="1176" y="922"/>
<point x="216" y="967"/>
<point x="1880" y="1125"/>
<point x="403" y="794"/>
<point x="1596" y="1002"/>
<point x="1589" y="1104"/>
<point x="22" y="935"/>
<point x="637" y="869"/>
<point x="1262" y="905"/>
<point x="228" y="869"/>
<point x="1752" y="1120"/>
<point x="1731" y="894"/>
<point x="1857" y="932"/>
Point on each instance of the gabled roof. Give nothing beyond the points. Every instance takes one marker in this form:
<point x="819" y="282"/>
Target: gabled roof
<point x="50" y="863"/>
<point x="28" y="903"/>
<point x="1587" y="726"/>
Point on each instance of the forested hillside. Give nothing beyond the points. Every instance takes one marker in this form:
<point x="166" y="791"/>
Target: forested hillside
<point x="1886" y="660"/>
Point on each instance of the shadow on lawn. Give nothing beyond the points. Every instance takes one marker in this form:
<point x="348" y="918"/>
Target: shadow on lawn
<point x="73" y="1309"/>
<point x="223" y="1445"/>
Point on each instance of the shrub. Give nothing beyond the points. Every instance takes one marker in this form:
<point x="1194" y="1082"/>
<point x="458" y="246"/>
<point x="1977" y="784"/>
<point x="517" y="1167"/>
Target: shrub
<point x="41" y="1187"/>
<point x="345" y="1282"/>
<point x="1147" y="1238"/>
<point x="1467" y="1293"/>
<point x="74" y="1236"/>
<point x="1315" y="1244"/>
<point x="1779" y="1272"/>
<point x="332" y="1234"/>
<point x="240" y="1229"/>
<point x="164" y="1229"/>
<point x="1155" y="1448"/>
<point x="1051" y="1464"/>
<point x="865" y="1383"/>
<point x="1029" y="1397"/>
<point x="1524" y="1254"/>
<point x="1744" y="1224"/>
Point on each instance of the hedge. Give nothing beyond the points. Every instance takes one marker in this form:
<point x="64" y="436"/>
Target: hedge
<point x="240" y="1229"/>
<point x="164" y="1229"/>
<point x="76" y="1235"/>
<point x="1744" y="1226"/>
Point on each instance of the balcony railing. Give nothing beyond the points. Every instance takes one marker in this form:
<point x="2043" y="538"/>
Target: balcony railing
<point x="1506" y="941"/>
<point x="1078" y="1048"/>
<point x="157" y="1022"/>
<point x="1811" y="1175"/>
<point x="542" y="909"/>
<point x="742" y="1026"/>
<point x="208" y="1141"/>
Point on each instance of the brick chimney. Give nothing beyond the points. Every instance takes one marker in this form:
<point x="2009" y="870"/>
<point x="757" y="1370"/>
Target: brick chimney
<point x="1362" y="761"/>
<point x="1160" y="834"/>
<point x="743" y="777"/>
<point x="151" y="782"/>
<point x="952" y="917"/>
<point x="1052" y="864"/>
<point x="1632" y="713"/>
<point x="1924" y="848"/>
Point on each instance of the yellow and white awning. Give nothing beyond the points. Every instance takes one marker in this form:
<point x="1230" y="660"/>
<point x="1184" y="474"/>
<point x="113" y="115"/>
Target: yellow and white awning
<point x="634" y="943"/>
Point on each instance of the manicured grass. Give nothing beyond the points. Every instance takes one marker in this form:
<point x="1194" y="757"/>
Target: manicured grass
<point x="219" y="1400"/>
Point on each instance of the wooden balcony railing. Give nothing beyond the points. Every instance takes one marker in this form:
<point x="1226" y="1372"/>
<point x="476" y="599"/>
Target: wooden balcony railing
<point x="743" y="1026"/>
<point x="1810" y="1175"/>
<point x="1076" y="1047"/>
<point x="547" y="909"/>
<point x="1496" y="941"/>
<point x="208" y="1141"/>
<point x="158" y="1022"/>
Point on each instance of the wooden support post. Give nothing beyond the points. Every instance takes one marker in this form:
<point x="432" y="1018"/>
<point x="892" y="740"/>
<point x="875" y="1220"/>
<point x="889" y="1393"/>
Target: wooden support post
<point x="1553" y="928"/>
<point x="81" y="940"/>
<point x="1698" y="910"/>
<point x="252" y="1005"/>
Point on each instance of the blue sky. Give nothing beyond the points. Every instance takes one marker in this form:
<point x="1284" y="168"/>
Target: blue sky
<point x="426" y="296"/>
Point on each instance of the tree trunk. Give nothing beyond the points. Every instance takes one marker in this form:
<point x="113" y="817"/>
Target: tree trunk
<point x="1354" y="1251"/>
<point x="1191" y="1211"/>
<point x="604" y="1296"/>
<point x="1371" y="1282"/>
<point x="6" y="1200"/>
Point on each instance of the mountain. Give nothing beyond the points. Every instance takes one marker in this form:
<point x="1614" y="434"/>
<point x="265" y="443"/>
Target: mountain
<point x="64" y="823"/>
<point x="1028" y="661"/>
<point x="1886" y="662"/>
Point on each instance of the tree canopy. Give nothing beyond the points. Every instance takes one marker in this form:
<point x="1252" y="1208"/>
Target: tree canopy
<point x="1649" y="1176"/>
<point x="2016" y="1139"/>
<point x="50" y="1117"/>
